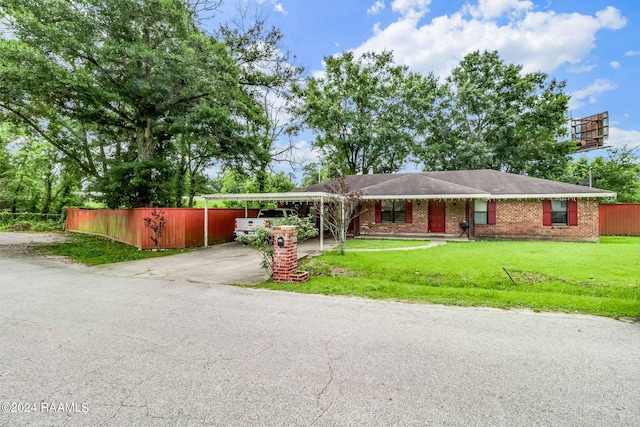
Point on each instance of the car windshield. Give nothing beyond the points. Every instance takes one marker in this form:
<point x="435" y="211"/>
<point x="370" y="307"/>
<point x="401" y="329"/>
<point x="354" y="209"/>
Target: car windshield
<point x="272" y="213"/>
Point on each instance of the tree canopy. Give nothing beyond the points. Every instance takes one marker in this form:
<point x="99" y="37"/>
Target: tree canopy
<point x="362" y="112"/>
<point x="617" y="170"/>
<point x="489" y="114"/>
<point x="119" y="86"/>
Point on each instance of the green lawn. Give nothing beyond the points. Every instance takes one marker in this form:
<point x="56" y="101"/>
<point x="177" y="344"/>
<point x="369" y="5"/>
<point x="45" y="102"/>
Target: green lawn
<point x="94" y="250"/>
<point x="383" y="244"/>
<point x="601" y="279"/>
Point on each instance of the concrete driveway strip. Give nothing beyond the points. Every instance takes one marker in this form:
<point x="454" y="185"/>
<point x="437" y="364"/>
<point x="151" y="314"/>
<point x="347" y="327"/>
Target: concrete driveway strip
<point x="229" y="263"/>
<point x="224" y="264"/>
<point x="83" y="348"/>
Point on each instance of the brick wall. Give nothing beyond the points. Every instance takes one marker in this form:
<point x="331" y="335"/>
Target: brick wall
<point x="514" y="219"/>
<point x="455" y="213"/>
<point x="368" y="223"/>
<point x="523" y="218"/>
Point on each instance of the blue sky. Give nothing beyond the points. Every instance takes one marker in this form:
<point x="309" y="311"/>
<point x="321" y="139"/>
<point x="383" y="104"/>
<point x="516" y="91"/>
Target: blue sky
<point x="594" y="45"/>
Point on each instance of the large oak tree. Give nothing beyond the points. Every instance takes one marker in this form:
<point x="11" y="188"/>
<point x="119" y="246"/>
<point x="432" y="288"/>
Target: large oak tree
<point x="118" y="85"/>
<point x="364" y="112"/>
<point x="491" y="114"/>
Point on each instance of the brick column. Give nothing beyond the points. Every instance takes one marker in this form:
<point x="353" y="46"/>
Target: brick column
<point x="285" y="255"/>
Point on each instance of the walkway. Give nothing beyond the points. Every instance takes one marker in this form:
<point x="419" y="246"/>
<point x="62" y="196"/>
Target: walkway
<point x="433" y="244"/>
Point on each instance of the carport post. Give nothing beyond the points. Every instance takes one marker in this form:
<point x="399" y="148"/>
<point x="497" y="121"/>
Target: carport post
<point x="206" y="223"/>
<point x="321" y="224"/>
<point x="246" y="211"/>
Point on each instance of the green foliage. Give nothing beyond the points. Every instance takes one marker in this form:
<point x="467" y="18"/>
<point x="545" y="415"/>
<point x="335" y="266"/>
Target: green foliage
<point x="618" y="170"/>
<point x="311" y="175"/>
<point x="262" y="240"/>
<point x="472" y="274"/>
<point x="234" y="181"/>
<point x="490" y="115"/>
<point x="34" y="177"/>
<point x="306" y="226"/>
<point x="122" y="85"/>
<point x="31" y="222"/>
<point x="93" y="250"/>
<point x="364" y="112"/>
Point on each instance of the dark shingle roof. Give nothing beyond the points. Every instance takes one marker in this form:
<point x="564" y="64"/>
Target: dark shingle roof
<point x="466" y="183"/>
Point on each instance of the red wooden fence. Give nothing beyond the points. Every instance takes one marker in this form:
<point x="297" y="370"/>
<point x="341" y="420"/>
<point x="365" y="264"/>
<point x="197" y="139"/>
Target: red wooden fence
<point x="620" y="219"/>
<point x="184" y="227"/>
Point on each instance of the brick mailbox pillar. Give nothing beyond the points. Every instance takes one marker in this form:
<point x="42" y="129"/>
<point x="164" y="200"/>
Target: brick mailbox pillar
<point x="285" y="255"/>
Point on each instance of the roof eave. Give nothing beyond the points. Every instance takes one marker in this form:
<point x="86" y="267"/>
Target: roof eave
<point x="273" y="197"/>
<point x="555" y="196"/>
<point x="425" y="196"/>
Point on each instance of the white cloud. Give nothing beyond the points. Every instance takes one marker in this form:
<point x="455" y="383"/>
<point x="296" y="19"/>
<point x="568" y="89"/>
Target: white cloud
<point x="280" y="9"/>
<point x="540" y="41"/>
<point x="632" y="53"/>
<point x="583" y="68"/>
<point x="411" y="8"/>
<point x="376" y="8"/>
<point x="490" y="9"/>
<point x="611" y="18"/>
<point x="578" y="97"/>
<point x="615" y="65"/>
<point x="621" y="138"/>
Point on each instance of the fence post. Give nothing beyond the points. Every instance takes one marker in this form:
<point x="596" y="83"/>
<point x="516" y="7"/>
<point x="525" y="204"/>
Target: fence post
<point x="206" y="223"/>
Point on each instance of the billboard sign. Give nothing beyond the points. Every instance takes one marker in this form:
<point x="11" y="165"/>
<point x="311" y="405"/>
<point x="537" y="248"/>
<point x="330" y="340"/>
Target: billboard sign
<point x="590" y="132"/>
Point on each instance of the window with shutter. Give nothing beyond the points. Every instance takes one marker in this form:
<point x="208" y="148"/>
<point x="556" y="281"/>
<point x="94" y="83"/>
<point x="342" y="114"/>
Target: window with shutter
<point x="484" y="212"/>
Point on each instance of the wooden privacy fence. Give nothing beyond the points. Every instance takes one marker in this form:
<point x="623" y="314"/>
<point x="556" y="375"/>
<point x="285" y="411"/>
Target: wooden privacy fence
<point x="184" y="227"/>
<point x="620" y="219"/>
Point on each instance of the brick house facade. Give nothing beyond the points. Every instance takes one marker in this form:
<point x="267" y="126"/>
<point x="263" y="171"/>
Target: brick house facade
<point x="514" y="219"/>
<point x="495" y="205"/>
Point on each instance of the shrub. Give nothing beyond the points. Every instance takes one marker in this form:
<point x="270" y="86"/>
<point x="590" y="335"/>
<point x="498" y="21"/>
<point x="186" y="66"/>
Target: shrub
<point x="262" y="240"/>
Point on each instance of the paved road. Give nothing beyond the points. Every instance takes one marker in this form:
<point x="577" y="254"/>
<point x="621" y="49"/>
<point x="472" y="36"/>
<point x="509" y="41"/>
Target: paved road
<point x="147" y="351"/>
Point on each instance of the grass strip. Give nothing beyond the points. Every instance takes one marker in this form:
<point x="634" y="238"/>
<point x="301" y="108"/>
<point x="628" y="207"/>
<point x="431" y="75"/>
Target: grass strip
<point x="95" y="250"/>
<point x="383" y="244"/>
<point x="601" y="279"/>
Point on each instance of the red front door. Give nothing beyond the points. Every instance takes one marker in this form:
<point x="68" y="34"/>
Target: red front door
<point x="436" y="216"/>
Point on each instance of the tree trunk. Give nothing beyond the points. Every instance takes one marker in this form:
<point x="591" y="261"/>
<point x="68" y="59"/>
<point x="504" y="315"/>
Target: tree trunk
<point x="48" y="189"/>
<point x="145" y="155"/>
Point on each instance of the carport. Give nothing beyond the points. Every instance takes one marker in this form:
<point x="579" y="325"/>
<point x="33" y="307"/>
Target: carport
<point x="319" y="198"/>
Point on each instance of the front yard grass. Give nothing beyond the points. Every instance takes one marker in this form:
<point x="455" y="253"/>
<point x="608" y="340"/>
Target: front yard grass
<point x="600" y="279"/>
<point x="95" y="250"/>
<point x="383" y="244"/>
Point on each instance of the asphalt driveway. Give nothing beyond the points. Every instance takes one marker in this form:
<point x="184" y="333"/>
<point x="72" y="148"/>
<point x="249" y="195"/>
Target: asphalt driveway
<point x="117" y="350"/>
